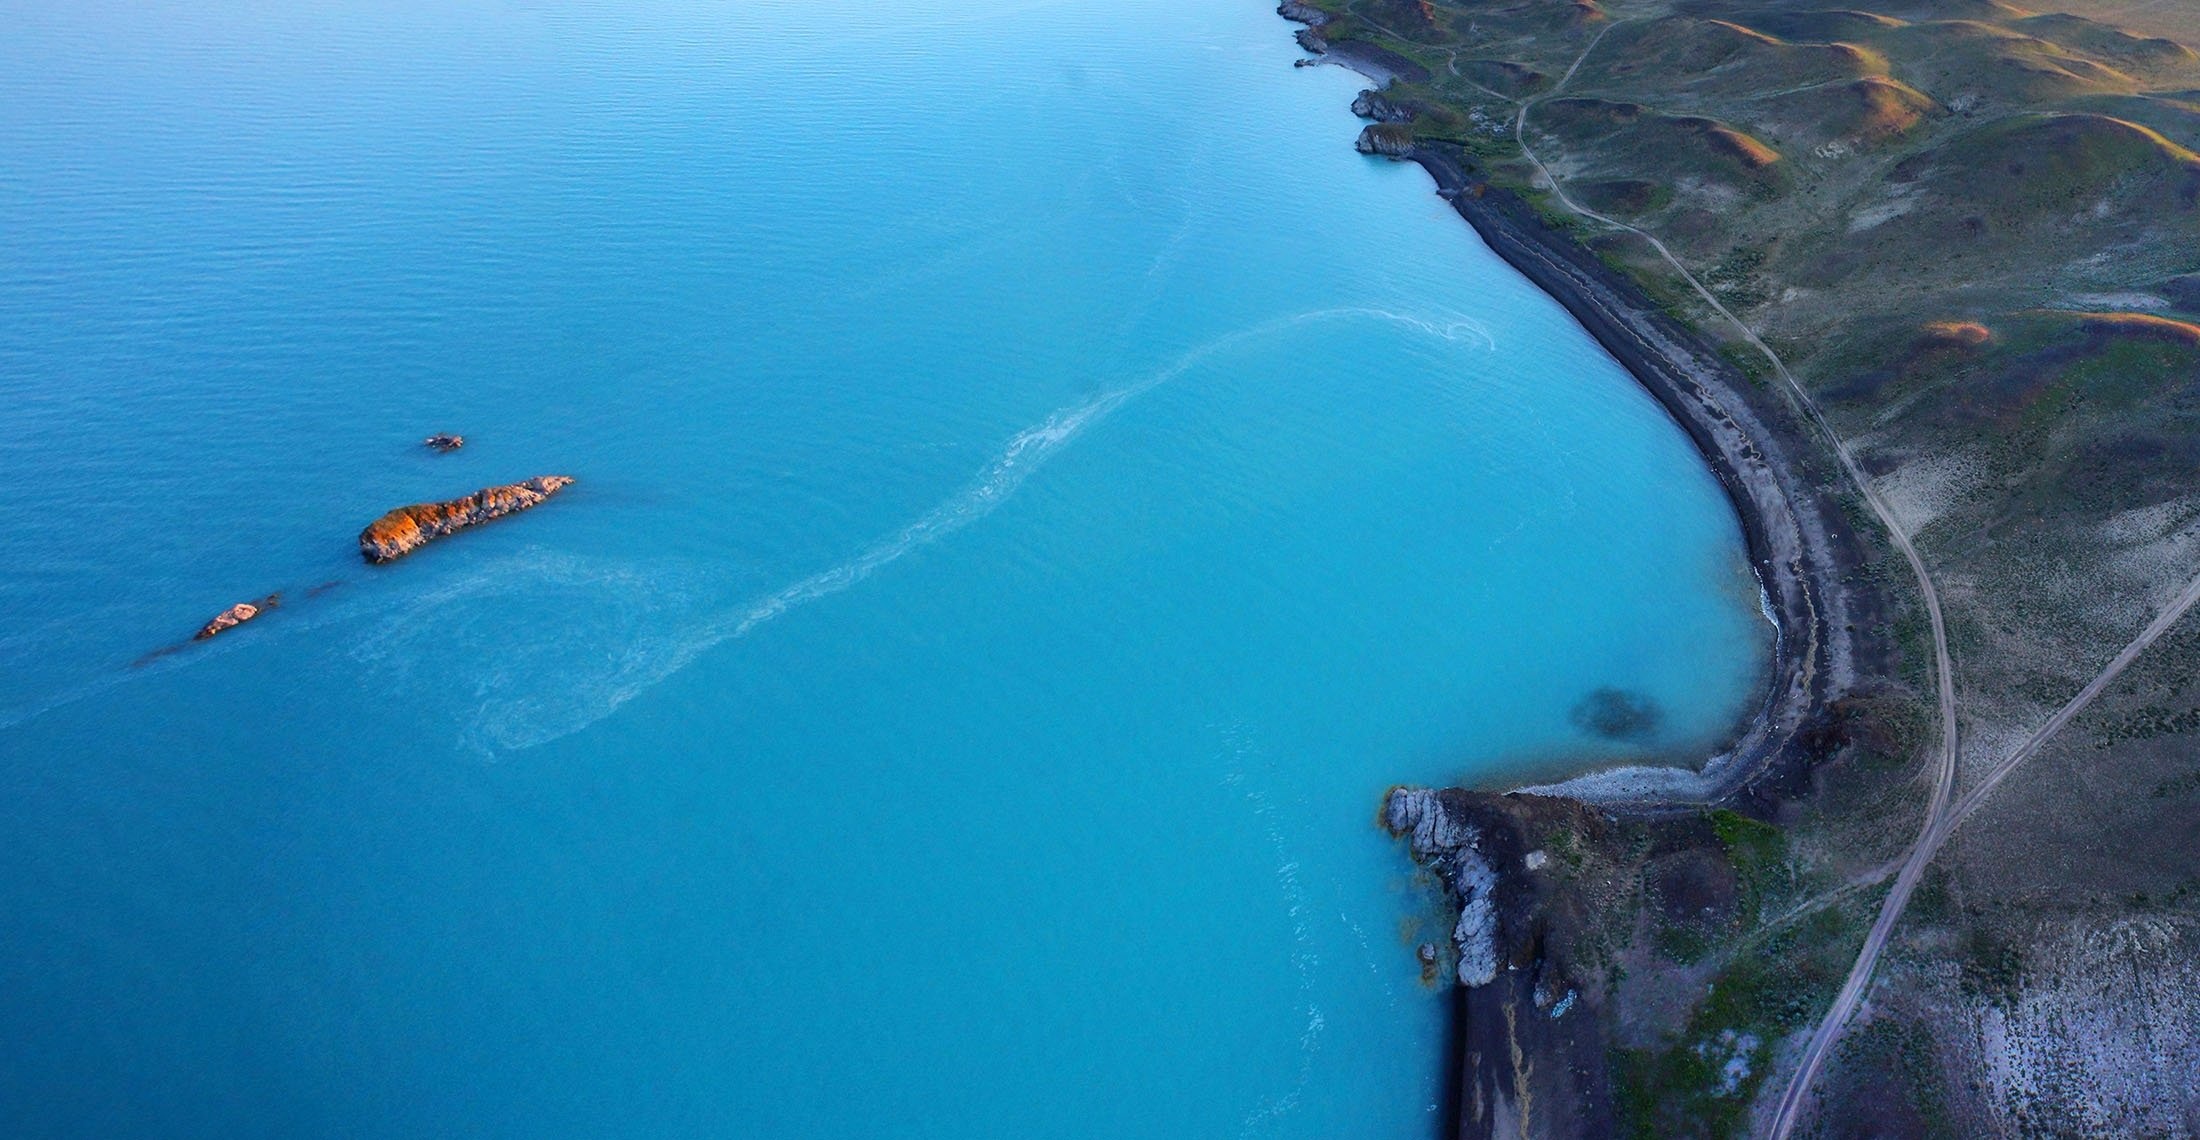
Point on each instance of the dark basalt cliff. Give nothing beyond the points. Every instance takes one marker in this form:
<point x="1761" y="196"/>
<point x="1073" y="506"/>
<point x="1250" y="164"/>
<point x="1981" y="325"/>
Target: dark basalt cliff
<point x="406" y="529"/>
<point x="1390" y="140"/>
<point x="1376" y="106"/>
<point x="1533" y="1033"/>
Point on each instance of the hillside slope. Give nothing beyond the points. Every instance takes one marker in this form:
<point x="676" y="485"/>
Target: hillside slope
<point x="1971" y="232"/>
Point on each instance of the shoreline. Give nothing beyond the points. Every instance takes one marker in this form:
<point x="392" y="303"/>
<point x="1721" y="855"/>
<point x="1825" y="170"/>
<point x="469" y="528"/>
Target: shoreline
<point x="1513" y="1065"/>
<point x="1757" y="449"/>
<point x="1802" y="553"/>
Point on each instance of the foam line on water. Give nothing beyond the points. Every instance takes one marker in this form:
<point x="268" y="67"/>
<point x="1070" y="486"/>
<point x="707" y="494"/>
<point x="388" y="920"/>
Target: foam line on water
<point x="511" y="721"/>
<point x="1305" y="952"/>
<point x="1452" y="328"/>
<point x="648" y="664"/>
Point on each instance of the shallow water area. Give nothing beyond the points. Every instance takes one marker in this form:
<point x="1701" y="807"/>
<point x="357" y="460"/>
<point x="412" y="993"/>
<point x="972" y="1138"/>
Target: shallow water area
<point x="1037" y="488"/>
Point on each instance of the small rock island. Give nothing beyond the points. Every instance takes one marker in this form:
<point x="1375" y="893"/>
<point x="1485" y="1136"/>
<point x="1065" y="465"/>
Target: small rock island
<point x="444" y="441"/>
<point x="235" y="616"/>
<point x="406" y="529"/>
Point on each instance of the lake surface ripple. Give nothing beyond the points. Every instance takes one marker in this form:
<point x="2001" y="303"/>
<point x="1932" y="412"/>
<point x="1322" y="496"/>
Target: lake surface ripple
<point x="1037" y="488"/>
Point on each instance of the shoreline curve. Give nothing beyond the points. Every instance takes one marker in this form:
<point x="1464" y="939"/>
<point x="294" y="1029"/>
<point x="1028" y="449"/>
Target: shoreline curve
<point x="1800" y="547"/>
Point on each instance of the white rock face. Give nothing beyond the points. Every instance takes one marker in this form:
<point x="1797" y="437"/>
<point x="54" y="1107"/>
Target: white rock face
<point x="1475" y="936"/>
<point x="1418" y="813"/>
<point x="1448" y="844"/>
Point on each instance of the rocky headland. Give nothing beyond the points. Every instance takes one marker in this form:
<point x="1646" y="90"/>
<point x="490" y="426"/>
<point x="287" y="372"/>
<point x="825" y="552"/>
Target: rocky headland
<point x="1368" y="59"/>
<point x="1529" y="1009"/>
<point x="406" y="529"/>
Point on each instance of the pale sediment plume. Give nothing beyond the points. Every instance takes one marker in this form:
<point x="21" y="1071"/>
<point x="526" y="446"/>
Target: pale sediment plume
<point x="647" y="660"/>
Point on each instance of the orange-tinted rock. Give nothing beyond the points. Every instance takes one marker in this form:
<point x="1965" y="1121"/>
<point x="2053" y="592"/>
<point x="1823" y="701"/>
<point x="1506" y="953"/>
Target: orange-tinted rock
<point x="444" y="441"/>
<point x="2143" y="326"/>
<point x="235" y="616"/>
<point x="1955" y="334"/>
<point x="407" y="529"/>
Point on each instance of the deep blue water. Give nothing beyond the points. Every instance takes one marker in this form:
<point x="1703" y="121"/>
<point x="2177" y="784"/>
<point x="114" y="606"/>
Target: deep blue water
<point x="1038" y="487"/>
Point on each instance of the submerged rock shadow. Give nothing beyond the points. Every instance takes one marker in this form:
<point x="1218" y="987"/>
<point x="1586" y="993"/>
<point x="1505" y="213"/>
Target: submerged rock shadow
<point x="1618" y="715"/>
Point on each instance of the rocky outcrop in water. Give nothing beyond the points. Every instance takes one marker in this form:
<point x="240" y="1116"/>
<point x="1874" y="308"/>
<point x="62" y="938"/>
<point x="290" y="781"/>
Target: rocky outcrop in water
<point x="406" y="529"/>
<point x="1373" y="105"/>
<point x="1302" y="13"/>
<point x="1447" y="844"/>
<point x="1390" y="140"/>
<point x="444" y="441"/>
<point x="235" y="616"/>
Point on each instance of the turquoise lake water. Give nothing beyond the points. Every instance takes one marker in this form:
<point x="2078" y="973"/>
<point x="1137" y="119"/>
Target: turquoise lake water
<point x="1037" y="488"/>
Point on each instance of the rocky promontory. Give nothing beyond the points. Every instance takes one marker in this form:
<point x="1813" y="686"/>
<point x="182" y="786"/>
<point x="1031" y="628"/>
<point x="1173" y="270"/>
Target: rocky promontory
<point x="1390" y="140"/>
<point x="1378" y="107"/>
<point x="406" y="529"/>
<point x="1377" y="63"/>
<point x="1532" y="1011"/>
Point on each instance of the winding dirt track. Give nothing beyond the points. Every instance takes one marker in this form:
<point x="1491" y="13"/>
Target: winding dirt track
<point x="1941" y="816"/>
<point x="1829" y="1031"/>
<point x="1971" y="800"/>
<point x="1938" y="818"/>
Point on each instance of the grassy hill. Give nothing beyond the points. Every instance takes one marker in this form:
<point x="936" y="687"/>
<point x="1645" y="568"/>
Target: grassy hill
<point x="1972" y="232"/>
